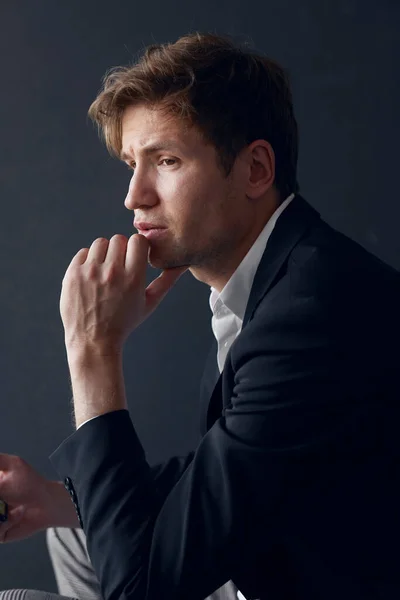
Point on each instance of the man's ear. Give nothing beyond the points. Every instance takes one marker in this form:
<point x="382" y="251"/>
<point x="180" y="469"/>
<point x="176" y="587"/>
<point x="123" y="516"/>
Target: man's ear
<point x="261" y="163"/>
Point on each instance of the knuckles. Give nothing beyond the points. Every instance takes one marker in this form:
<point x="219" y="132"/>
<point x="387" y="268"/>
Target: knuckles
<point x="92" y="270"/>
<point x="108" y="274"/>
<point x="112" y="273"/>
<point x="118" y="237"/>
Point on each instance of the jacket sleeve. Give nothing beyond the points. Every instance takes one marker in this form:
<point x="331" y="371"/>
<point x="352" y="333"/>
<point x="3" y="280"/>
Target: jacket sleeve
<point x="165" y="474"/>
<point x="286" y="378"/>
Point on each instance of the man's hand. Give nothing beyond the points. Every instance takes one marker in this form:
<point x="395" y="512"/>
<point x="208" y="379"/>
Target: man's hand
<point x="104" y="297"/>
<point x="34" y="502"/>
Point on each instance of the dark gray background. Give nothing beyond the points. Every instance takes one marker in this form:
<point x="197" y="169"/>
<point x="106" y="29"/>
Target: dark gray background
<point x="60" y="191"/>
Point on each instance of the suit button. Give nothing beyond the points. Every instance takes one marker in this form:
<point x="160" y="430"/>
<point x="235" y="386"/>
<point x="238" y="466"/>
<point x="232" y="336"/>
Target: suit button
<point x="68" y="483"/>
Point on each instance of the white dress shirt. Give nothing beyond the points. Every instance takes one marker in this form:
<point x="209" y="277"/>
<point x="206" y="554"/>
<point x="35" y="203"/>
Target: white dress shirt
<point x="229" y="306"/>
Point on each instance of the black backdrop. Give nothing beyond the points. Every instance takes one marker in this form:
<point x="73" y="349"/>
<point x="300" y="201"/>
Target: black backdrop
<point x="60" y="190"/>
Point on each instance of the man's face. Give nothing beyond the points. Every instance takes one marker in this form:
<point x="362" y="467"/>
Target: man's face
<point x="182" y="189"/>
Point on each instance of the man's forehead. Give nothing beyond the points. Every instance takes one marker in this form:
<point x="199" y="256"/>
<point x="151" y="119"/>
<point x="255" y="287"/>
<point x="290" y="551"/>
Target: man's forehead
<point x="141" y="133"/>
<point x="147" y="121"/>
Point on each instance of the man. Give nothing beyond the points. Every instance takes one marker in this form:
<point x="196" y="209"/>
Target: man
<point x="292" y="493"/>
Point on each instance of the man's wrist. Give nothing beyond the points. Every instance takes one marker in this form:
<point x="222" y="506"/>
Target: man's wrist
<point x="81" y="355"/>
<point x="97" y="383"/>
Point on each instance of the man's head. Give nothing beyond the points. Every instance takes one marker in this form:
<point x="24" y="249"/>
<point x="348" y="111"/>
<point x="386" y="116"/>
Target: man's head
<point x="229" y="113"/>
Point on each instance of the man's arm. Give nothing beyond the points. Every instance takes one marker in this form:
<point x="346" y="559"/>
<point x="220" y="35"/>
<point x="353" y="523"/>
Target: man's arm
<point x="165" y="475"/>
<point x="287" y="402"/>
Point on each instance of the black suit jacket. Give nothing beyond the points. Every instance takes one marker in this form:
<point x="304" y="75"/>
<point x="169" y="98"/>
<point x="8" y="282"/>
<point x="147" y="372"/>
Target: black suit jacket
<point x="293" y="491"/>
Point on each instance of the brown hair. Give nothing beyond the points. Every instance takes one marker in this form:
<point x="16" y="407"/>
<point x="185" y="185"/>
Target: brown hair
<point x="234" y="96"/>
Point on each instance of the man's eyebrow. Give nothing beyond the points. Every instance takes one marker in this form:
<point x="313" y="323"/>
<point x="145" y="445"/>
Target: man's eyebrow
<point x="151" y="148"/>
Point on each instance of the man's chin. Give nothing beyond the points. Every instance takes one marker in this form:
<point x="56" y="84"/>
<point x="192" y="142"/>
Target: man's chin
<point x="157" y="261"/>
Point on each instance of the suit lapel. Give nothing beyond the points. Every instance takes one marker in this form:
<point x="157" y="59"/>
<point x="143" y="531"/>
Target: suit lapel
<point x="210" y="386"/>
<point x="289" y="228"/>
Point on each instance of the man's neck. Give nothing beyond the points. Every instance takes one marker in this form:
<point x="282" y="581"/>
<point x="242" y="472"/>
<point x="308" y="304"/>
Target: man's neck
<point x="218" y="275"/>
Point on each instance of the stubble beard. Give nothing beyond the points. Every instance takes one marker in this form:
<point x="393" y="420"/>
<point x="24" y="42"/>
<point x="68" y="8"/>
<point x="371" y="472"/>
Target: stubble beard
<point x="169" y="256"/>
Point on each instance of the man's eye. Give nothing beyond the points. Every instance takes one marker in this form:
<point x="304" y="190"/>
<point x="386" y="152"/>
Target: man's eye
<point x="170" y="159"/>
<point x="132" y="168"/>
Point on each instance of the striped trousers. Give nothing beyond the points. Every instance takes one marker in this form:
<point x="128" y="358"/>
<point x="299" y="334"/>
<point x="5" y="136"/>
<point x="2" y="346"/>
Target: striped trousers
<point x="74" y="574"/>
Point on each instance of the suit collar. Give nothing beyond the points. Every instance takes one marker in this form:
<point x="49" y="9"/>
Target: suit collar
<point x="290" y="227"/>
<point x="236" y="291"/>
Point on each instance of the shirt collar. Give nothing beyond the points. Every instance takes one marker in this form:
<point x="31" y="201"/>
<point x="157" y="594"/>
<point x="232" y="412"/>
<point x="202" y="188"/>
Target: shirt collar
<point x="236" y="292"/>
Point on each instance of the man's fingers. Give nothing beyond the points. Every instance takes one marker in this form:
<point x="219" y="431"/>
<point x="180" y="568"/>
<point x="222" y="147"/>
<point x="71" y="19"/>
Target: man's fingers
<point x="5" y="461"/>
<point x="137" y="252"/>
<point x="14" y="517"/>
<point x="3" y="485"/>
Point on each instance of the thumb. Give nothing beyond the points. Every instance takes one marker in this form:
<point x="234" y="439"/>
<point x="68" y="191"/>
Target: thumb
<point x="160" y="286"/>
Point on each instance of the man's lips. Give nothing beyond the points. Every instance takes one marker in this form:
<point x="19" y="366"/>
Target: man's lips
<point x="152" y="234"/>
<point x="150" y="231"/>
<point x="143" y="226"/>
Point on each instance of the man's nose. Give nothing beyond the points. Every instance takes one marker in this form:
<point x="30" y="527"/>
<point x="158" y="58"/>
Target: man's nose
<point x="140" y="193"/>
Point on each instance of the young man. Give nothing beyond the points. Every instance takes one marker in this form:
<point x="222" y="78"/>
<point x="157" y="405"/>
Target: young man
<point x="293" y="491"/>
